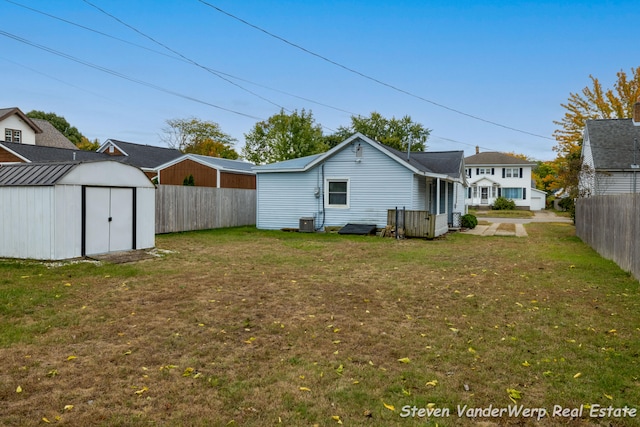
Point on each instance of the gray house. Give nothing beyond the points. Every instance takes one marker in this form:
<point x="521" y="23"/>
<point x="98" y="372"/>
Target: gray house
<point x="610" y="156"/>
<point x="357" y="182"/>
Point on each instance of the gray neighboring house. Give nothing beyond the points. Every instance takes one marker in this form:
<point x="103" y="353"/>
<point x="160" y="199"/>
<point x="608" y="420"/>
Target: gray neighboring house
<point x="610" y="156"/>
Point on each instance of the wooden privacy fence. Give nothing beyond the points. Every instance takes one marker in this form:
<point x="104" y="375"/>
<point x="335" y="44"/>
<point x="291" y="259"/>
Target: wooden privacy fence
<point x="185" y="208"/>
<point x="611" y="226"/>
<point x="413" y="223"/>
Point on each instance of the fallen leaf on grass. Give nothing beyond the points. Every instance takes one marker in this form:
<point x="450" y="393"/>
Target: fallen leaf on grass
<point x="18" y="389"/>
<point x="142" y="390"/>
<point x="389" y="407"/>
<point x="514" y="394"/>
<point x="72" y="357"/>
<point x="526" y="364"/>
<point x="336" y="418"/>
<point x="404" y="360"/>
<point x="187" y="372"/>
<point x="578" y="375"/>
<point x="608" y="396"/>
<point x="45" y="420"/>
<point x="432" y="383"/>
<point x="305" y="389"/>
<point x="68" y="407"/>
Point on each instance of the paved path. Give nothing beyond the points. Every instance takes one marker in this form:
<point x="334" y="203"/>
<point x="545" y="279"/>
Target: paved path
<point x="492" y="228"/>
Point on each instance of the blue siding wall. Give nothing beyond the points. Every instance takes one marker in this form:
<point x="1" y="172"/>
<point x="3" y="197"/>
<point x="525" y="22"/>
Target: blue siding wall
<point x="376" y="183"/>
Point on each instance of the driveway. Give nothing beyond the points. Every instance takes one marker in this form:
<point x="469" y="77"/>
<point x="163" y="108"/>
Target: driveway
<point x="492" y="228"/>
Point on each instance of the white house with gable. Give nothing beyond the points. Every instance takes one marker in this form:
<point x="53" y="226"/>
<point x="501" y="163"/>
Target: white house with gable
<point x="493" y="174"/>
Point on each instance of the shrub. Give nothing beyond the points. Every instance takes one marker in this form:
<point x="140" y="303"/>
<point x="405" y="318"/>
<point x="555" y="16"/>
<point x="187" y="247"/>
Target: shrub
<point x="189" y="181"/>
<point x="468" y="221"/>
<point x="503" y="204"/>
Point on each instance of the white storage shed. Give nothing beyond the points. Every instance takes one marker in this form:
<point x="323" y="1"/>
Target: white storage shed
<point x="53" y="211"/>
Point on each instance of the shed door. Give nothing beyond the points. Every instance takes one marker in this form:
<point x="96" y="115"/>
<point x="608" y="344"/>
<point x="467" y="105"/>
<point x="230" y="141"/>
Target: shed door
<point x="109" y="220"/>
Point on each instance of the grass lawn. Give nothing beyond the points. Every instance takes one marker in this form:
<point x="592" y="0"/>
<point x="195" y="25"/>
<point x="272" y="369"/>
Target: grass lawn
<point x="252" y="328"/>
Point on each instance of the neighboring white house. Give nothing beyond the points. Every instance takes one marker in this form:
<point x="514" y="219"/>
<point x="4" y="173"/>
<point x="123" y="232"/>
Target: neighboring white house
<point x="55" y="211"/>
<point x="17" y="128"/>
<point x="357" y="182"/>
<point x="493" y="174"/>
<point x="610" y="156"/>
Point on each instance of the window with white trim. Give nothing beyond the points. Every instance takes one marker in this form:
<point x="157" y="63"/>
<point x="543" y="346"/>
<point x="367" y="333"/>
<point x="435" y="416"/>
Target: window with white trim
<point x="512" y="193"/>
<point x="512" y="172"/>
<point x="12" y="135"/>
<point x="338" y="192"/>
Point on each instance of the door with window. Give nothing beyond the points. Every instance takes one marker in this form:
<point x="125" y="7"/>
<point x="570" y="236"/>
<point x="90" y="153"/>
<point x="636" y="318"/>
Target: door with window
<point x="484" y="195"/>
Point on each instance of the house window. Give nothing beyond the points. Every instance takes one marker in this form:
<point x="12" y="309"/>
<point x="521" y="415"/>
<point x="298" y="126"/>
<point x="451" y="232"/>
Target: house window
<point x="512" y="193"/>
<point x="512" y="172"/>
<point x="493" y="192"/>
<point x="338" y="193"/>
<point x="475" y="192"/>
<point x="12" y="135"/>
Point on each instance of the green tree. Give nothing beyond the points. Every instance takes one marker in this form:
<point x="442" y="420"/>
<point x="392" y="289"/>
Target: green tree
<point x="87" y="145"/>
<point x="592" y="103"/>
<point x="60" y="123"/>
<point x="197" y="136"/>
<point x="396" y="133"/>
<point x="283" y="137"/>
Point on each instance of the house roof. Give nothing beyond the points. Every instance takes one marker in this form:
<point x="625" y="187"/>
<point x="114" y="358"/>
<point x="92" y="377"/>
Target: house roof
<point x="6" y="112"/>
<point x="52" y="137"/>
<point x="612" y="143"/>
<point x="143" y="156"/>
<point x="239" y="166"/>
<point x="444" y="163"/>
<point x="24" y="174"/>
<point x="40" y="154"/>
<point x="438" y="162"/>
<point x="493" y="158"/>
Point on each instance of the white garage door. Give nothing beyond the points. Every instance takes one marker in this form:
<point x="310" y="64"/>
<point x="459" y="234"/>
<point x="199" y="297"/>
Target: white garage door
<point x="109" y="220"/>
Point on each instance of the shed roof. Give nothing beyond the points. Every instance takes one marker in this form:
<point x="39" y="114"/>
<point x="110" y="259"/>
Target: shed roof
<point x="612" y="143"/>
<point x="493" y="158"/>
<point x="29" y="174"/>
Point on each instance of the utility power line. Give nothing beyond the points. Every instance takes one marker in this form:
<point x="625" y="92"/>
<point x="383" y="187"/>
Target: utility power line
<point x="368" y="77"/>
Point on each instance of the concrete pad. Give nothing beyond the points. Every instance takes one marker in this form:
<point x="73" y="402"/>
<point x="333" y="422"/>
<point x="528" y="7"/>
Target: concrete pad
<point x="521" y="231"/>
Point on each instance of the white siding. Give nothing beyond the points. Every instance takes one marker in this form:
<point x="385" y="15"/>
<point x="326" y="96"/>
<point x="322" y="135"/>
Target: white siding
<point x="15" y="122"/>
<point x="488" y="180"/>
<point x="284" y="198"/>
<point x="67" y="222"/>
<point x="617" y="182"/>
<point x="376" y="183"/>
<point x="26" y="222"/>
<point x="419" y="193"/>
<point x="145" y="218"/>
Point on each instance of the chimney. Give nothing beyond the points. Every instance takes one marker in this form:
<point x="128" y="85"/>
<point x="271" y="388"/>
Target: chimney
<point x="477" y="149"/>
<point x="636" y="113"/>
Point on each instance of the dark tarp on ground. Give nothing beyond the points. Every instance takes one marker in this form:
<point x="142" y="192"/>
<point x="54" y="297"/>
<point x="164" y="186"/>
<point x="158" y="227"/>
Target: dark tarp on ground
<point x="363" y="229"/>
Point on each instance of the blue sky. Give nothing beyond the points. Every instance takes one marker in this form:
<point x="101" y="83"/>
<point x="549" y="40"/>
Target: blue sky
<point x="510" y="63"/>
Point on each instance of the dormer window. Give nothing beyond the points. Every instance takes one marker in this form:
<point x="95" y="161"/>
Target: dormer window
<point x="12" y="135"/>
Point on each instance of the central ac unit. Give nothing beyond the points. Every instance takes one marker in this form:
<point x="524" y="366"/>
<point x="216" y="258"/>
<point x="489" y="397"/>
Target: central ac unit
<point x="307" y="225"/>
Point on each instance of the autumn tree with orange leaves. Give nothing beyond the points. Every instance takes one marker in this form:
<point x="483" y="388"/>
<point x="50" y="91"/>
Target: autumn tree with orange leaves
<point x="591" y="103"/>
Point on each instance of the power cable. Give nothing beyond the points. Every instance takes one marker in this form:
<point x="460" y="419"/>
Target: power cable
<point x="122" y="76"/>
<point x="366" y="76"/>
<point x="191" y="61"/>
